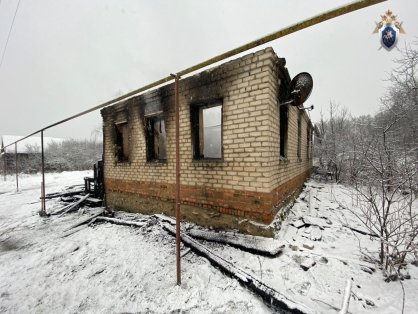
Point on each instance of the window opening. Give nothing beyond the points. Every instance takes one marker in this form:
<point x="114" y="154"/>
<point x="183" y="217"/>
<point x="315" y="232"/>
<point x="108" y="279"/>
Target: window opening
<point x="156" y="139"/>
<point x="207" y="131"/>
<point x="122" y="142"/>
<point x="284" y="121"/>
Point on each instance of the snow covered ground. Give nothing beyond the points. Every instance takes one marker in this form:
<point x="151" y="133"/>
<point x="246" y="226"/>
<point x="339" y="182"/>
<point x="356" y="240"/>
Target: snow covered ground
<point x="113" y="268"/>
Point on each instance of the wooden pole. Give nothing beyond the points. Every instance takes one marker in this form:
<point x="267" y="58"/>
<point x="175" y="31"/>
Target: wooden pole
<point x="17" y="169"/>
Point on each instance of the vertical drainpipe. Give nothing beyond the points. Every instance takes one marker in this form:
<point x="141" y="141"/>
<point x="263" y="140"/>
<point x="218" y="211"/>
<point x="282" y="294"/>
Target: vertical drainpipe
<point x="177" y="109"/>
<point x="43" y="211"/>
<point x="17" y="176"/>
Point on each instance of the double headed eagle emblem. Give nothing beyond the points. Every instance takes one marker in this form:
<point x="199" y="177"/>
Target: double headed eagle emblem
<point x="388" y="29"/>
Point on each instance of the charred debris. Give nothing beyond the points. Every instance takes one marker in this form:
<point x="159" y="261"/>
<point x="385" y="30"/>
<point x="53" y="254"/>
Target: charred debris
<point x="89" y="194"/>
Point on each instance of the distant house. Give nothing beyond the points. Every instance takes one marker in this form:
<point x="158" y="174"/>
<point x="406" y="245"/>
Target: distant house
<point x="243" y="153"/>
<point x="28" y="152"/>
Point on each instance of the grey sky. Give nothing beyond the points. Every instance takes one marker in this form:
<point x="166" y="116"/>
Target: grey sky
<point x="67" y="56"/>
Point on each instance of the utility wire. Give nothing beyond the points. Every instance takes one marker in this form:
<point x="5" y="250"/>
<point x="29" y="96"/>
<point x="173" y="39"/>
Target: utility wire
<point x="8" y="36"/>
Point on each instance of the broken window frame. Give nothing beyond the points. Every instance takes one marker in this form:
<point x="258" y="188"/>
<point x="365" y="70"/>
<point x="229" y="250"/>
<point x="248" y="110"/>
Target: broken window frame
<point x="122" y="142"/>
<point x="284" y="128"/>
<point x="150" y="138"/>
<point x="197" y="130"/>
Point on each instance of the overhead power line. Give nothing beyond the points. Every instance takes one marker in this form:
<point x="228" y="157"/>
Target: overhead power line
<point x="8" y="36"/>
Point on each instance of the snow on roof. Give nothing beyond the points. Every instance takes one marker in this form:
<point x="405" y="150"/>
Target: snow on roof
<point x="22" y="147"/>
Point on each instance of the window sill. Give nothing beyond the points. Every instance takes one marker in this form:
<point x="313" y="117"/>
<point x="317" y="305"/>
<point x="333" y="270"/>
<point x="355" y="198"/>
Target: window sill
<point x="156" y="162"/>
<point x="122" y="163"/>
<point x="283" y="160"/>
<point x="207" y="162"/>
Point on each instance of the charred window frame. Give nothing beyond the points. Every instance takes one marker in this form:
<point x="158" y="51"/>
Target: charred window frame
<point x="299" y="148"/>
<point x="284" y="123"/>
<point x="122" y="141"/>
<point x="206" y="122"/>
<point x="156" y="138"/>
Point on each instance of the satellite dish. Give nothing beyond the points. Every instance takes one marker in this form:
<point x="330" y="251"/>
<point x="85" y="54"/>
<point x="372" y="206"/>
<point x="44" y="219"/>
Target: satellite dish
<point x="300" y="88"/>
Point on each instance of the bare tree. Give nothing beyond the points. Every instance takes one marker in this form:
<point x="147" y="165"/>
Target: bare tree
<point x="377" y="157"/>
<point x="334" y="133"/>
<point x="383" y="165"/>
<point x="72" y="155"/>
<point x="62" y="156"/>
<point x="384" y="186"/>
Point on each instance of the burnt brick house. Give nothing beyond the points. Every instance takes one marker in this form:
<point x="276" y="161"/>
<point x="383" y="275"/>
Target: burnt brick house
<point x="242" y="153"/>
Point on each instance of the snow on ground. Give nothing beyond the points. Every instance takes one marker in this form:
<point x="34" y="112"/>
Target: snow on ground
<point x="104" y="269"/>
<point x="337" y="258"/>
<point x="113" y="268"/>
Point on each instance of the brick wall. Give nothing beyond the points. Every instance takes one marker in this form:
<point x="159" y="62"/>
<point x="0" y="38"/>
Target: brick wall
<point x="250" y="180"/>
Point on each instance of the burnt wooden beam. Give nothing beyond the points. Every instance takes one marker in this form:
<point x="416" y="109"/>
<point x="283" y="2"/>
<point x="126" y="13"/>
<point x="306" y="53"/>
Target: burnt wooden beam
<point x="268" y="294"/>
<point x="55" y="195"/>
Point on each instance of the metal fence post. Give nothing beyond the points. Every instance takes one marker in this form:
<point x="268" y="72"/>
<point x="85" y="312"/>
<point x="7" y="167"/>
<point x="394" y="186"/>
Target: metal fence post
<point x="4" y="164"/>
<point x="177" y="109"/>
<point x="43" y="210"/>
<point x="17" y="169"/>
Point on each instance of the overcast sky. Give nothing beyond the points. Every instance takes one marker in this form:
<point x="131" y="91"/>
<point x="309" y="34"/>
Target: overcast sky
<point x="66" y="56"/>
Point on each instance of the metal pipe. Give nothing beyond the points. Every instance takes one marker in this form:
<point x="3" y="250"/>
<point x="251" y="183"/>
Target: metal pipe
<point x="43" y="211"/>
<point x="285" y="31"/>
<point x="17" y="171"/>
<point x="263" y="40"/>
<point x="177" y="109"/>
<point x="42" y="203"/>
<point x="4" y="164"/>
<point x="346" y="300"/>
